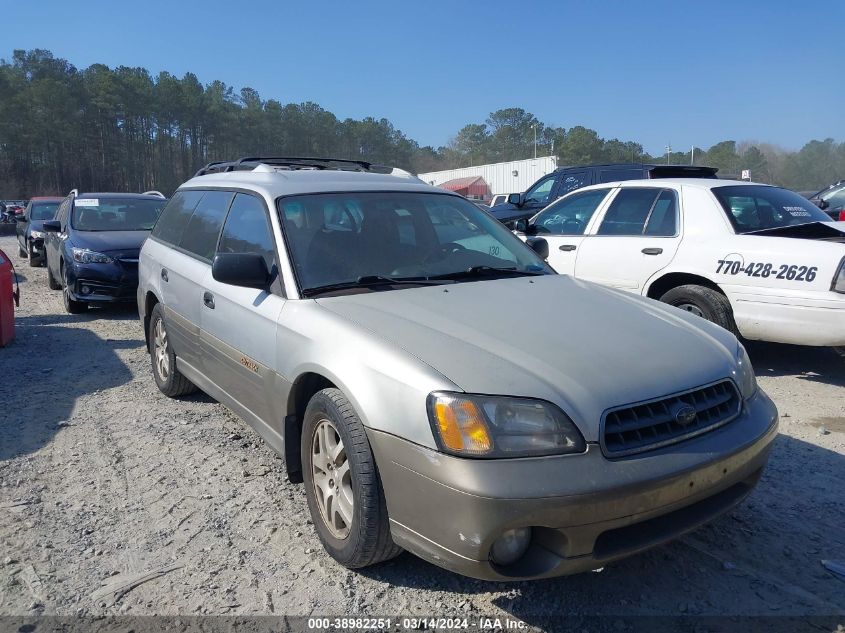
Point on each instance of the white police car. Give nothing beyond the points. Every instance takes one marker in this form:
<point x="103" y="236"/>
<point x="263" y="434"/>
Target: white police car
<point x="758" y="260"/>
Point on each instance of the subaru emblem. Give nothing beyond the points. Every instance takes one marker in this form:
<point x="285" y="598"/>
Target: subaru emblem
<point x="685" y="415"/>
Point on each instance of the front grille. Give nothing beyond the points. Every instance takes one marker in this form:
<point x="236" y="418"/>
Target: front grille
<point x="648" y="425"/>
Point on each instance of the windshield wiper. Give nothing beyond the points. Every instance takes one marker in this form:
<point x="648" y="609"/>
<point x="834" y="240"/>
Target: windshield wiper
<point x="367" y="281"/>
<point x="481" y="271"/>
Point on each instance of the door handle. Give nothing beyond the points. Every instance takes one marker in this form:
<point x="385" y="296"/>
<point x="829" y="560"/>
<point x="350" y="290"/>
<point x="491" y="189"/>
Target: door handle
<point x="208" y="300"/>
<point x="652" y="251"/>
<point x="164" y="274"/>
<point x="567" y="247"/>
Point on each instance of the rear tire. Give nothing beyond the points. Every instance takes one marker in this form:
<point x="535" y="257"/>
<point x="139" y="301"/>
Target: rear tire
<point x="168" y="378"/>
<point x="330" y="423"/>
<point x="51" y="281"/>
<point x="704" y="302"/>
<point x="71" y="305"/>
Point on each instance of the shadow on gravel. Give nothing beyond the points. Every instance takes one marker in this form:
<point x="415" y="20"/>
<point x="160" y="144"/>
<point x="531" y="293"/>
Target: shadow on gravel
<point x="45" y="370"/>
<point x="763" y="558"/>
<point x="817" y="364"/>
<point x="115" y="312"/>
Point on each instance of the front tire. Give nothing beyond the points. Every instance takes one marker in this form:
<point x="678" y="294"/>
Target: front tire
<point x="167" y="376"/>
<point x="704" y="302"/>
<point x="51" y="281"/>
<point x="72" y="306"/>
<point x="342" y="484"/>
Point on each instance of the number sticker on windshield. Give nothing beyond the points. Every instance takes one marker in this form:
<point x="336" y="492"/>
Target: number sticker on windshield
<point x="790" y="272"/>
<point x="87" y="202"/>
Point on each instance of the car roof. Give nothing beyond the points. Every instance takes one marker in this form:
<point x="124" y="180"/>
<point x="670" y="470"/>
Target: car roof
<point x="701" y="183"/>
<point x="276" y="182"/>
<point x="114" y="194"/>
<point x="46" y="199"/>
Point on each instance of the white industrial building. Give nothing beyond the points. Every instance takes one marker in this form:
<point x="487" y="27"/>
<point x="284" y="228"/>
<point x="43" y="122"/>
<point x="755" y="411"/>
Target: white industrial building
<point x="511" y="177"/>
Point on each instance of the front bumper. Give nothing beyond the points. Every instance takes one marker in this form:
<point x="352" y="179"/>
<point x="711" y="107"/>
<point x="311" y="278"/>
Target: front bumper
<point x="103" y="283"/>
<point x="585" y="510"/>
<point x="36" y="247"/>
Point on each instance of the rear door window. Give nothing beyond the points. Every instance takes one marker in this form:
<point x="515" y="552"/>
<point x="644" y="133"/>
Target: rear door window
<point x="570" y="181"/>
<point x="175" y="216"/>
<point x="200" y="236"/>
<point x="631" y="211"/>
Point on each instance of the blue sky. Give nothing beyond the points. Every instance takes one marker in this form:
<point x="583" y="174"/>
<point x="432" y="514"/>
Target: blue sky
<point x="655" y="72"/>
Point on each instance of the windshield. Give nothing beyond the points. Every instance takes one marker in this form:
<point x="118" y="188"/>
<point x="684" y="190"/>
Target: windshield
<point x="758" y="207"/>
<point x="43" y="211"/>
<point x="343" y="237"/>
<point x="115" y="214"/>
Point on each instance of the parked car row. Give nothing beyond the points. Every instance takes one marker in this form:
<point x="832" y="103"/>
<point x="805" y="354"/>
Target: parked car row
<point x="374" y="330"/>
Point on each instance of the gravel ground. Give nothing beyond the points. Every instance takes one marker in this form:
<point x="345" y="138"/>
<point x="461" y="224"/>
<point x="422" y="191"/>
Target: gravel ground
<point x="104" y="482"/>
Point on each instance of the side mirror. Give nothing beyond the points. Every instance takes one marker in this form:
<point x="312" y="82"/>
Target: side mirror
<point x="241" y="269"/>
<point x="521" y="225"/>
<point x="539" y="246"/>
<point x="52" y="226"/>
<point x="822" y="204"/>
<point x="515" y="199"/>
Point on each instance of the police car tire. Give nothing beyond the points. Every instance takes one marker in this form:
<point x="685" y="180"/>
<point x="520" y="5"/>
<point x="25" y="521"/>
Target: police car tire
<point x="714" y="306"/>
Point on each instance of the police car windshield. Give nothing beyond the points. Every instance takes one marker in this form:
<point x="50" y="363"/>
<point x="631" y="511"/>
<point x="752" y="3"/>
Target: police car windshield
<point x="115" y="214"/>
<point x="348" y="238"/>
<point x="753" y="208"/>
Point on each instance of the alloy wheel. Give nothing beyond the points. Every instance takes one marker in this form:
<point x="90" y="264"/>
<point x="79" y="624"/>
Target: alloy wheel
<point x="332" y="479"/>
<point x="162" y="360"/>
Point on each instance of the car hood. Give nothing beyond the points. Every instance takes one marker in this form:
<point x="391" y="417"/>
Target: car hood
<point x="582" y="346"/>
<point x="106" y="241"/>
<point x="36" y="225"/>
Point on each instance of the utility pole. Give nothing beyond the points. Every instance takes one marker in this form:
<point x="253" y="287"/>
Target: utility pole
<point x="692" y="155"/>
<point x="668" y="152"/>
<point x="534" y="127"/>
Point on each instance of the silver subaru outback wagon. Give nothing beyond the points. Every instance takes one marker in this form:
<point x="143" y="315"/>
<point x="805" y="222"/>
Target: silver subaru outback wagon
<point x="433" y="383"/>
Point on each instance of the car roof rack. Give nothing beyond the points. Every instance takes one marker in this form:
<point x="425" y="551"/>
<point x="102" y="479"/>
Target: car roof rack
<point x="74" y="192"/>
<point x="248" y="163"/>
<point x="158" y="194"/>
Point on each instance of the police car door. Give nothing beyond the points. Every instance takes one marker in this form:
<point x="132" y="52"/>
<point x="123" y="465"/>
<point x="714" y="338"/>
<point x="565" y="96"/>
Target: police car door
<point x="637" y="236"/>
<point x="563" y="225"/>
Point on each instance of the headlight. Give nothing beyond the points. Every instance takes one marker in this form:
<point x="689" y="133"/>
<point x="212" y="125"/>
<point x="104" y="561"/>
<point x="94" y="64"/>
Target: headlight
<point x="36" y="234"/>
<point x="744" y="374"/>
<point x="838" y="284"/>
<point x="84" y="256"/>
<point x="494" y="426"/>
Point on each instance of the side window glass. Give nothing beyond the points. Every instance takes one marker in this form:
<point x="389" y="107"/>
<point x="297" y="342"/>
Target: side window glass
<point x="572" y="181"/>
<point x="247" y="230"/>
<point x="629" y="211"/>
<point x="175" y="215"/>
<point x="200" y="235"/>
<point x="541" y="192"/>
<point x="663" y="220"/>
<point x="571" y="215"/>
<point x="614" y="175"/>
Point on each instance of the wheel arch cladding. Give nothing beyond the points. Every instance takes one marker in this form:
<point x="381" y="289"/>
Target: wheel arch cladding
<point x="303" y="389"/>
<point x="150" y="302"/>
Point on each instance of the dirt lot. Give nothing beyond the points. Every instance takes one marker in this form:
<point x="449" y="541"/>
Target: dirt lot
<point x="103" y="479"/>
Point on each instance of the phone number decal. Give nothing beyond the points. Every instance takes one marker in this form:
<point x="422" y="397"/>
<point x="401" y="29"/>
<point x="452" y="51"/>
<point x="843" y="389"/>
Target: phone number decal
<point x="791" y="272"/>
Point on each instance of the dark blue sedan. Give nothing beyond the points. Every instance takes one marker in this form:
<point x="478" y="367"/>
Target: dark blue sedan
<point x="92" y="246"/>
